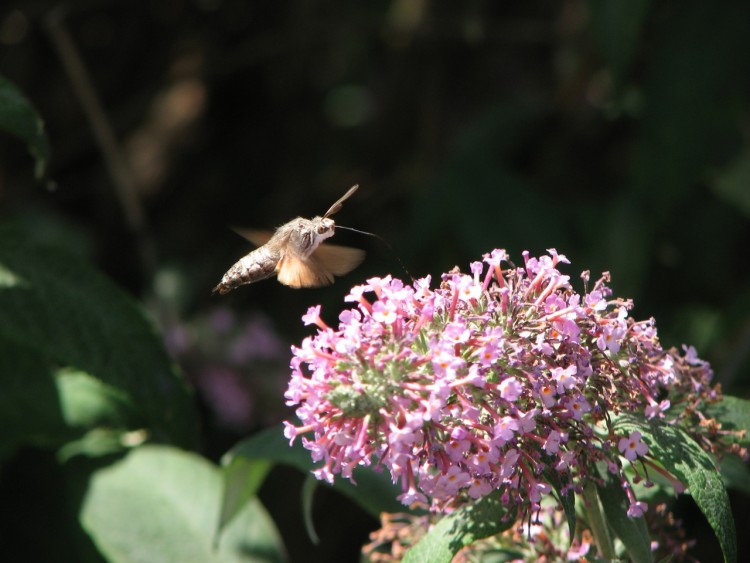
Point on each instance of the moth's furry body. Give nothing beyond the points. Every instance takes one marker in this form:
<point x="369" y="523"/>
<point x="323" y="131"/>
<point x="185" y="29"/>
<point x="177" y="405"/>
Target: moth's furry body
<point x="255" y="266"/>
<point x="295" y="254"/>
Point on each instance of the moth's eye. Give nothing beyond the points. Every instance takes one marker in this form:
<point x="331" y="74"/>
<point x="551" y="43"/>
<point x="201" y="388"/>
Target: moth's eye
<point x="322" y="229"/>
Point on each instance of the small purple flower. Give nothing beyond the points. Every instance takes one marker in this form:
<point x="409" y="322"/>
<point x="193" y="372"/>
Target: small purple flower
<point x="510" y="389"/>
<point x="637" y="509"/>
<point x="632" y="446"/>
<point x="312" y="317"/>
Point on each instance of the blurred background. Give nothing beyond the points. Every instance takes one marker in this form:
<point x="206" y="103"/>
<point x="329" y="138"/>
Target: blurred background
<point x="617" y="132"/>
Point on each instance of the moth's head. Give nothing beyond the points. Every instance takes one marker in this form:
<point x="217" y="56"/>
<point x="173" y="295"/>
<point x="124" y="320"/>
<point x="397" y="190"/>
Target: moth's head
<point x="325" y="228"/>
<point x="309" y="233"/>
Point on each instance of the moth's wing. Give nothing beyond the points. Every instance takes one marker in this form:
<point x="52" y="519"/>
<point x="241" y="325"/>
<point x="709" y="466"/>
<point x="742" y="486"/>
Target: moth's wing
<point x="257" y="237"/>
<point x="298" y="272"/>
<point x="338" y="260"/>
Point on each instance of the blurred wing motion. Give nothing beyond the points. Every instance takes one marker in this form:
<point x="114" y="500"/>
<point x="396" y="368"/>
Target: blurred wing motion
<point x="327" y="261"/>
<point x="320" y="267"/>
<point x="338" y="260"/>
<point x="258" y="238"/>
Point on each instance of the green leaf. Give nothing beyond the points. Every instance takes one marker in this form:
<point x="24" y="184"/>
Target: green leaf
<point x="685" y="459"/>
<point x="162" y="504"/>
<point x="632" y="532"/>
<point x="481" y="519"/>
<point x="86" y="401"/>
<point x="18" y="117"/>
<point x="272" y="445"/>
<point x="241" y="478"/>
<point x="29" y="406"/>
<point x="100" y="442"/>
<point x="734" y="414"/>
<point x="373" y="491"/>
<point x="597" y="521"/>
<point x="76" y="353"/>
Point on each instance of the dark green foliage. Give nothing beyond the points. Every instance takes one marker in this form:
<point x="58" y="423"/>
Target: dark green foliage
<point x="78" y="355"/>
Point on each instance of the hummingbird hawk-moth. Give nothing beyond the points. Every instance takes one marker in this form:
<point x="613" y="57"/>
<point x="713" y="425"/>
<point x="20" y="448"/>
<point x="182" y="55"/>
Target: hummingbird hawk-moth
<point x="295" y="254"/>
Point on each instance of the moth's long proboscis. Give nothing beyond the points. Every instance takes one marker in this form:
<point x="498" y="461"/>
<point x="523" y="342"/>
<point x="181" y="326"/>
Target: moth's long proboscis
<point x="384" y="241"/>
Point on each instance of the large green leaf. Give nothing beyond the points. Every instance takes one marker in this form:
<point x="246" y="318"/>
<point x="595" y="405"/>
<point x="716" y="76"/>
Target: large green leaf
<point x="77" y="353"/>
<point x="18" y="117"/>
<point x="685" y="459"/>
<point x="242" y="478"/>
<point x="374" y="492"/>
<point x="162" y="504"/>
<point x="486" y="517"/>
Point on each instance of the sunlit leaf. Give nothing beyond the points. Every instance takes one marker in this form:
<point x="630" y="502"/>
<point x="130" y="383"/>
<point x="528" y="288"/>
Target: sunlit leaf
<point x="373" y="491"/>
<point x="242" y="478"/>
<point x="695" y="468"/>
<point x="162" y="504"/>
<point x="483" y="518"/>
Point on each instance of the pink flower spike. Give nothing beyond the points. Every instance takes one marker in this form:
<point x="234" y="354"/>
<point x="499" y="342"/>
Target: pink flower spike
<point x="467" y="387"/>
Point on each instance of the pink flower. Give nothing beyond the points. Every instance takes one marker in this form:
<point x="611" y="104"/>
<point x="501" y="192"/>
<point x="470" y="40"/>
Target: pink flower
<point x="637" y="509"/>
<point x="385" y="313"/>
<point x="632" y="446"/>
<point x="505" y="430"/>
<point x="312" y="317"/>
<point x="510" y="389"/>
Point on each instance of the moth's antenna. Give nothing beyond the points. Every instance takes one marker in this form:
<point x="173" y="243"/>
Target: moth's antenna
<point x="381" y="239"/>
<point x="337" y="206"/>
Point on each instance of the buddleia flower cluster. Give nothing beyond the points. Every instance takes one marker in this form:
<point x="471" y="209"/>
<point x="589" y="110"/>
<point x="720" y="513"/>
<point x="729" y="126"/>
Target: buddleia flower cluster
<point x="502" y="379"/>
